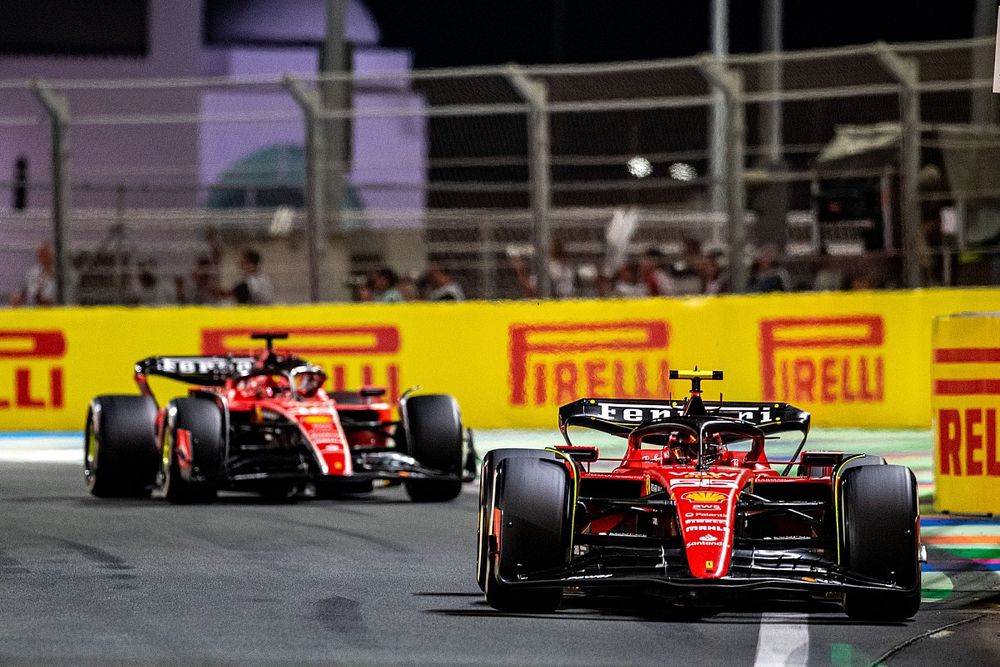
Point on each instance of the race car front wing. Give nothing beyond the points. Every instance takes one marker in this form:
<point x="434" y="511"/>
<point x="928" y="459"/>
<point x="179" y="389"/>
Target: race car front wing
<point x="666" y="569"/>
<point x="394" y="465"/>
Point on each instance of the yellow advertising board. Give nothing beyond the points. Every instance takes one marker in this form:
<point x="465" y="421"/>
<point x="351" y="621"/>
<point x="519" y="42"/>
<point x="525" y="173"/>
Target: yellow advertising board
<point x="965" y="389"/>
<point x="857" y="359"/>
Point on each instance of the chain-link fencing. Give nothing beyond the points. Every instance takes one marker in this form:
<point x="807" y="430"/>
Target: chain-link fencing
<point x="869" y="166"/>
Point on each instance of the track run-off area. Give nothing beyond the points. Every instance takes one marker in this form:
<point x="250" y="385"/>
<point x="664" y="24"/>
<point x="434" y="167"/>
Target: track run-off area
<point x="378" y="580"/>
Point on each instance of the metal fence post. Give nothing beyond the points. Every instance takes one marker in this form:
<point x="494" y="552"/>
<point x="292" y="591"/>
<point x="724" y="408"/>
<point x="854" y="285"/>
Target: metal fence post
<point x="719" y="118"/>
<point x="487" y="258"/>
<point x="309" y="102"/>
<point x="730" y="82"/>
<point x="57" y="108"/>
<point x="335" y="97"/>
<point x="906" y="73"/>
<point x="536" y="94"/>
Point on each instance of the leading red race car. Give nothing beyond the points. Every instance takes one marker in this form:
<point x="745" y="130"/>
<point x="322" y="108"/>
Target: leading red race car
<point x="265" y="424"/>
<point x="695" y="507"/>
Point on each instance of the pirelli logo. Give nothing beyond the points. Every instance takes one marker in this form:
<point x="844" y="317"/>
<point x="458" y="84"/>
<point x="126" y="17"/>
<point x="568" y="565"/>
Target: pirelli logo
<point x="554" y="364"/>
<point x="827" y="360"/>
<point x="352" y="355"/>
<point x="967" y="428"/>
<point x="31" y="369"/>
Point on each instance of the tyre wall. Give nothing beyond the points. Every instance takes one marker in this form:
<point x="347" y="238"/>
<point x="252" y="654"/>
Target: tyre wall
<point x="852" y="359"/>
<point x="965" y="395"/>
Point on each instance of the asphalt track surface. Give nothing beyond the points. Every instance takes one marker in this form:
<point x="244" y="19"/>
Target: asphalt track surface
<point x="375" y="580"/>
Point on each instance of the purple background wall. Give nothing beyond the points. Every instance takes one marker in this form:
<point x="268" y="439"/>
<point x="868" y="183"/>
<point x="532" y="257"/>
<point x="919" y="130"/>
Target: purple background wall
<point x="159" y="164"/>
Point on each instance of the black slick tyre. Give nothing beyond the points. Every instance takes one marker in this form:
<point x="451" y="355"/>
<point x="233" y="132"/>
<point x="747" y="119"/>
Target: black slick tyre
<point x="531" y="499"/>
<point x="119" y="450"/>
<point x="197" y="480"/>
<point x="487" y="472"/>
<point x="433" y="427"/>
<point x="880" y="540"/>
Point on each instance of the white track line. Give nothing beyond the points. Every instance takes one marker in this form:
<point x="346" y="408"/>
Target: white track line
<point x="782" y="641"/>
<point x="41" y="449"/>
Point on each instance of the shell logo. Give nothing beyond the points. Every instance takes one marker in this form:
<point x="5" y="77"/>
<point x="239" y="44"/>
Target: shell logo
<point x="704" y="496"/>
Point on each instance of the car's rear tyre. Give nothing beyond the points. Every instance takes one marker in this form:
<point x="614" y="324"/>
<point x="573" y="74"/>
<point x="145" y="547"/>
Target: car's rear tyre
<point x="119" y="449"/>
<point x="433" y="427"/>
<point x="197" y="480"/>
<point x="880" y="539"/>
<point x="487" y="471"/>
<point x="531" y="498"/>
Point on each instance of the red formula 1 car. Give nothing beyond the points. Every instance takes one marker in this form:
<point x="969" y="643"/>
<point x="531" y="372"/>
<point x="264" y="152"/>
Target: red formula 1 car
<point x="265" y="424"/>
<point x="696" y="508"/>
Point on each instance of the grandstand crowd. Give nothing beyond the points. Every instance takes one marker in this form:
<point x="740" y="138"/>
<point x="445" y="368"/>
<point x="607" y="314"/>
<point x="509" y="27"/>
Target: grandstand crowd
<point x="650" y="273"/>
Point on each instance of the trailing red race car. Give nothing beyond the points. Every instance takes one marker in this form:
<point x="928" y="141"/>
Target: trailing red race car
<point x="265" y="424"/>
<point x="696" y="508"/>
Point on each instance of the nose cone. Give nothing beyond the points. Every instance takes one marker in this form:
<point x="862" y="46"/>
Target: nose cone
<point x="706" y="513"/>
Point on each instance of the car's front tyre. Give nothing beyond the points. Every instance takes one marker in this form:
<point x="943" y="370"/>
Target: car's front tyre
<point x="193" y="450"/>
<point x="529" y="532"/>
<point x="880" y="535"/>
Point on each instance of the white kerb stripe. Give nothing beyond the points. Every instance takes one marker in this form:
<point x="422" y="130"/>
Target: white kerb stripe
<point x="783" y="640"/>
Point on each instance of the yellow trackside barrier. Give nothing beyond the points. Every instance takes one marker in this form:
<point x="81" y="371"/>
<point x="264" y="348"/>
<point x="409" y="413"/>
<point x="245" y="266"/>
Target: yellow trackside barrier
<point x="857" y="359"/>
<point x="965" y="390"/>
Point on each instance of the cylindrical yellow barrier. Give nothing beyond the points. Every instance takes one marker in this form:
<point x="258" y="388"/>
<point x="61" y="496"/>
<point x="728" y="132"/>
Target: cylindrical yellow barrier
<point x="965" y="391"/>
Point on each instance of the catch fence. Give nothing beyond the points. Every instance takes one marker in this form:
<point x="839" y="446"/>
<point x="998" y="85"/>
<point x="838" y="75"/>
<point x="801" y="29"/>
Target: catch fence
<point x="874" y="165"/>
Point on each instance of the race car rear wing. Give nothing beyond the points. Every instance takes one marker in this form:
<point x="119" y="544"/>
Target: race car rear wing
<point x="208" y="371"/>
<point x="619" y="416"/>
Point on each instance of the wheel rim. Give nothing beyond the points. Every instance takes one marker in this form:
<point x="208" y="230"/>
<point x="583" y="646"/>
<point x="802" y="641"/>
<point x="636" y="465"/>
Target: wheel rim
<point x="91" y="448"/>
<point x="166" y="458"/>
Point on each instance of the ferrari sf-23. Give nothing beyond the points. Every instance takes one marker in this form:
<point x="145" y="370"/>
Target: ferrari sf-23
<point x="265" y="424"/>
<point x="695" y="511"/>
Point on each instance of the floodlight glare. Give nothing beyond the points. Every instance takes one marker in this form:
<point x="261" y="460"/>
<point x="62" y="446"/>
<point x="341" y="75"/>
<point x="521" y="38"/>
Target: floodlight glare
<point x="639" y="167"/>
<point x="682" y="171"/>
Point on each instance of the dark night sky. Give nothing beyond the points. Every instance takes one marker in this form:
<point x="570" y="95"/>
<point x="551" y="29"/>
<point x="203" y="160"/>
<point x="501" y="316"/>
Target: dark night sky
<point x="469" y="32"/>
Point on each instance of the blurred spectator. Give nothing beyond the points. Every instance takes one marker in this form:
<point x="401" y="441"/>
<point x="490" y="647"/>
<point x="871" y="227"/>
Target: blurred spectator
<point x="408" y="287"/>
<point x="715" y="278"/>
<point x="604" y="285"/>
<point x="930" y="243"/>
<point x="255" y="288"/>
<point x="768" y="275"/>
<point x="561" y="274"/>
<point x="360" y="286"/>
<point x="385" y="286"/>
<point x="204" y="283"/>
<point x="686" y="272"/>
<point x="627" y="282"/>
<point x="441" y="285"/>
<point x="652" y="276"/>
<point x="180" y="290"/>
<point x="39" y="287"/>
<point x="149" y="290"/>
<point x="830" y="275"/>
<point x="867" y="273"/>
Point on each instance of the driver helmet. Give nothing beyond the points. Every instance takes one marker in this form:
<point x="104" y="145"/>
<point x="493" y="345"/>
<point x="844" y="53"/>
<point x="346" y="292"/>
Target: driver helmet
<point x="307" y="380"/>
<point x="683" y="446"/>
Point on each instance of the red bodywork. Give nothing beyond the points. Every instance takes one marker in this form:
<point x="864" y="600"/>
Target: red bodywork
<point x="263" y="399"/>
<point x="695" y="505"/>
<point x="317" y="417"/>
<point x="705" y="501"/>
